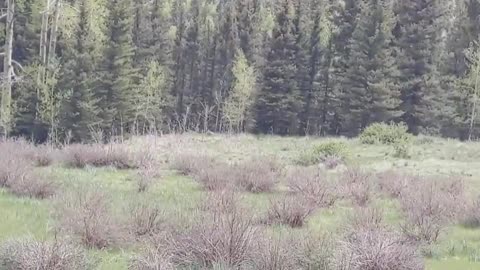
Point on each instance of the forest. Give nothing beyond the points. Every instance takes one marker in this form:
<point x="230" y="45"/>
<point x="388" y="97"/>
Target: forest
<point x="76" y="69"/>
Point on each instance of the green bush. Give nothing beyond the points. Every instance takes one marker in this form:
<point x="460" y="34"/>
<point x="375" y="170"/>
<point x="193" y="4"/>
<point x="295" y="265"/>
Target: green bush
<point x="401" y="150"/>
<point x="381" y="133"/>
<point x="322" y="152"/>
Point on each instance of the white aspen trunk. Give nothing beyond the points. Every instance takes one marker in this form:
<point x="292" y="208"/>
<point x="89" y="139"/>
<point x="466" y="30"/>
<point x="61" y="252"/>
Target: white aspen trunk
<point x="6" y="105"/>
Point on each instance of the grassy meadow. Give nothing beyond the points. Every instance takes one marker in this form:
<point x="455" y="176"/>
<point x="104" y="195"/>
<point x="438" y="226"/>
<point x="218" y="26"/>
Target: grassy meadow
<point x="168" y="196"/>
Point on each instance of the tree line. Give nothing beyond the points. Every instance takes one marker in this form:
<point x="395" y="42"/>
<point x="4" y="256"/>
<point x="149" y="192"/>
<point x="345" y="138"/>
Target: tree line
<point x="76" y="69"/>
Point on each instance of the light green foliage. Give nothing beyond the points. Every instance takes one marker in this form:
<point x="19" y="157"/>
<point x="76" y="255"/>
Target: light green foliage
<point x="381" y="133"/>
<point x="319" y="153"/>
<point x="241" y="99"/>
<point x="152" y="97"/>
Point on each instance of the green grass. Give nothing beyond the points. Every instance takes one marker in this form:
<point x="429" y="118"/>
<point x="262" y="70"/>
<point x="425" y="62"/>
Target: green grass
<point x="458" y="248"/>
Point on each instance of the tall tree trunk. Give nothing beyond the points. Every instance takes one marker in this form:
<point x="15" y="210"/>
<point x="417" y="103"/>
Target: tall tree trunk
<point x="6" y="105"/>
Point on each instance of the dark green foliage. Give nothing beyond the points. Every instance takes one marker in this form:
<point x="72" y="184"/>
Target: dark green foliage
<point x="323" y="67"/>
<point x="370" y="94"/>
<point x="115" y="87"/>
<point x="278" y="100"/>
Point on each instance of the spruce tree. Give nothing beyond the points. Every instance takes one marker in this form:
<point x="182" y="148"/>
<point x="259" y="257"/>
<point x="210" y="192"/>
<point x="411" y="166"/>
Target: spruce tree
<point x="370" y="93"/>
<point x="277" y="102"/>
<point x="115" y="88"/>
<point x="79" y="114"/>
<point x="416" y="37"/>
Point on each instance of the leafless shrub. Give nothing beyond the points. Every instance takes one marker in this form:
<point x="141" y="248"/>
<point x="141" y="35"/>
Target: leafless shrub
<point x="190" y="163"/>
<point x="17" y="173"/>
<point x="223" y="201"/>
<point x="152" y="258"/>
<point x="313" y="186"/>
<point x="86" y="214"/>
<point x="225" y="238"/>
<point x="289" y="210"/>
<point x="32" y="185"/>
<point x="293" y="251"/>
<point x="393" y="183"/>
<point x="430" y="206"/>
<point x="376" y="249"/>
<point x="41" y="155"/>
<point x="29" y="254"/>
<point x="146" y="176"/>
<point x="366" y="218"/>
<point x="12" y="164"/>
<point x="255" y="175"/>
<point x="145" y="218"/>
<point x="98" y="155"/>
<point x="214" y="176"/>
<point x="333" y="161"/>
<point x="471" y="218"/>
<point x="357" y="186"/>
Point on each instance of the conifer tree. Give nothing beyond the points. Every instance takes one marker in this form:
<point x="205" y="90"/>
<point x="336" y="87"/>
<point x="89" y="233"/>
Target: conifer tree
<point x="370" y="93"/>
<point x="115" y="88"/>
<point x="80" y="110"/>
<point x="416" y="37"/>
<point x="277" y="102"/>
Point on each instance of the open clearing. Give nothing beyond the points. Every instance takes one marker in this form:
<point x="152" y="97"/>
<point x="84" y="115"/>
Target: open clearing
<point x="180" y="196"/>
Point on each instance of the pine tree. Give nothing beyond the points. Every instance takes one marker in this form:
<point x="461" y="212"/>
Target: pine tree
<point x="417" y="35"/>
<point x="80" y="110"/>
<point x="370" y="93"/>
<point x="115" y="88"/>
<point x="277" y="102"/>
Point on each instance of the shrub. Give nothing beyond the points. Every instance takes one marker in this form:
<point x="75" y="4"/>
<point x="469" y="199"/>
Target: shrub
<point x="145" y="177"/>
<point x="378" y="249"/>
<point x="145" y="219"/>
<point x="357" y="186"/>
<point x="430" y="205"/>
<point x="214" y="177"/>
<point x="223" y="201"/>
<point x="18" y="176"/>
<point x="393" y="183"/>
<point x="256" y="175"/>
<point x="471" y="218"/>
<point x="41" y="155"/>
<point x="86" y="214"/>
<point x="32" y="185"/>
<point x="29" y="254"/>
<point x="97" y="155"/>
<point x="152" y="258"/>
<point x="366" y="218"/>
<point x="289" y="210"/>
<point x="311" y="184"/>
<point x="401" y="150"/>
<point x="381" y="133"/>
<point x="190" y="163"/>
<point x="295" y="250"/>
<point x="219" y="238"/>
<point x="325" y="152"/>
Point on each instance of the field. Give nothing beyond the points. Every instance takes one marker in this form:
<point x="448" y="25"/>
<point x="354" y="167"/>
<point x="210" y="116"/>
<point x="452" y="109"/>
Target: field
<point x="220" y="202"/>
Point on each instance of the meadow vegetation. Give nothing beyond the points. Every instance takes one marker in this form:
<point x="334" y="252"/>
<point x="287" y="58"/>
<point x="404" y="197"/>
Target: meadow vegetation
<point x="241" y="202"/>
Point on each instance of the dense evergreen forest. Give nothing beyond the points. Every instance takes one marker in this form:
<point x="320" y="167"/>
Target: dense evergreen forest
<point x="73" y="69"/>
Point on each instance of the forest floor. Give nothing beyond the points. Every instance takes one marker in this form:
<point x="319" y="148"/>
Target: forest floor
<point x="458" y="247"/>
